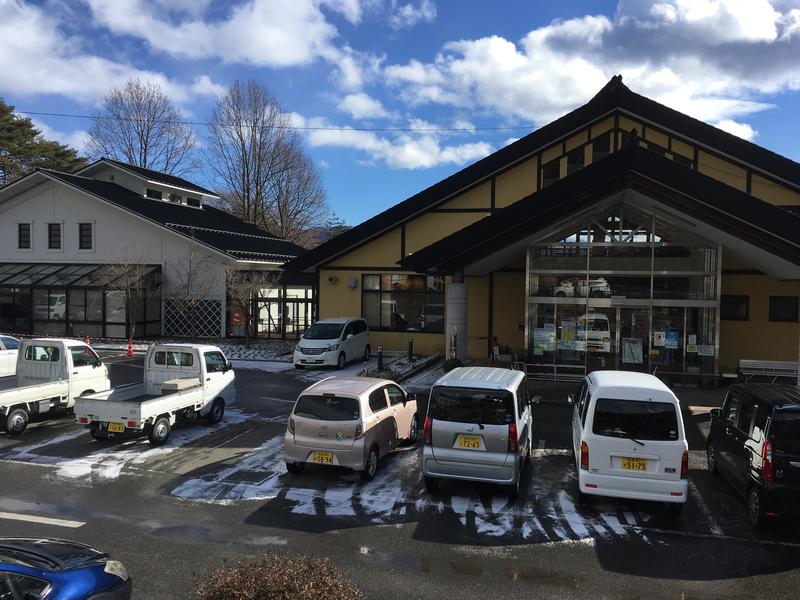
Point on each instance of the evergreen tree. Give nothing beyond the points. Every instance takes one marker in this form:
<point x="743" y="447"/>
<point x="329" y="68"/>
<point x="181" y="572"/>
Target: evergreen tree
<point x="23" y="148"/>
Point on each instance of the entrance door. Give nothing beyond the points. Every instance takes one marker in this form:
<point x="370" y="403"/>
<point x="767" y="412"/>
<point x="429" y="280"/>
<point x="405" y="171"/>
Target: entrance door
<point x="634" y="339"/>
<point x="668" y="339"/>
<point x="600" y="325"/>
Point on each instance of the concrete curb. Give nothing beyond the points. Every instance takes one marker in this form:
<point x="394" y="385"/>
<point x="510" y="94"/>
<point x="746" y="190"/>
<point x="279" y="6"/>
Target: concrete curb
<point x="424" y="364"/>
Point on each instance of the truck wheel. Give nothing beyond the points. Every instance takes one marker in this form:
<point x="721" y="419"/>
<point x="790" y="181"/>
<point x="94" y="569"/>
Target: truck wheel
<point x="159" y="432"/>
<point x="216" y="412"/>
<point x="97" y="432"/>
<point x="16" y="421"/>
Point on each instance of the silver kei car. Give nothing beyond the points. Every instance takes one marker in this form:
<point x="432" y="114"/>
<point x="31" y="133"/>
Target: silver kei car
<point x="479" y="427"/>
<point x="349" y="422"/>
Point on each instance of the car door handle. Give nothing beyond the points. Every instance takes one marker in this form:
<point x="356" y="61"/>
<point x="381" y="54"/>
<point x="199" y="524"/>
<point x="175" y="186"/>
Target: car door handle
<point x="208" y="378"/>
<point x="74" y="372"/>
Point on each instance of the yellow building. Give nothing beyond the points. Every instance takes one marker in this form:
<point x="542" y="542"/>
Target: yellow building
<point x="622" y="235"/>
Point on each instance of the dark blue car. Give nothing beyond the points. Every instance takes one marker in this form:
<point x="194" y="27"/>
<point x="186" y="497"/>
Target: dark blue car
<point x="52" y="569"/>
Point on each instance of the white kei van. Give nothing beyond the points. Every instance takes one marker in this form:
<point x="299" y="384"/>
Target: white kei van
<point x="628" y="439"/>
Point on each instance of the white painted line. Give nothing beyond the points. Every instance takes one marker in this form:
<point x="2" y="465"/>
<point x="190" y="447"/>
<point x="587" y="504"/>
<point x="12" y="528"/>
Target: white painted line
<point x="42" y="520"/>
<point x="277" y="399"/>
<point x="228" y="441"/>
<point x="701" y="503"/>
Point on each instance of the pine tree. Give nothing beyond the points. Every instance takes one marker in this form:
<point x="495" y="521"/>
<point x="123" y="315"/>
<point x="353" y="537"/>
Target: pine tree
<point x="23" y="148"/>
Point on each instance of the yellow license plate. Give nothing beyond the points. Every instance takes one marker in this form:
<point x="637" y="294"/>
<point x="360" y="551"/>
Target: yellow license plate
<point x="323" y="458"/>
<point x="634" y="464"/>
<point x="116" y="428"/>
<point x="470" y="442"/>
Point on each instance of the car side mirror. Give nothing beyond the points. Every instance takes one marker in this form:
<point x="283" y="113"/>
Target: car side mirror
<point x="97" y="363"/>
<point x="228" y="366"/>
<point x="536" y="399"/>
<point x="411" y="397"/>
<point x="716" y="413"/>
<point x="571" y="398"/>
<point x="349" y="335"/>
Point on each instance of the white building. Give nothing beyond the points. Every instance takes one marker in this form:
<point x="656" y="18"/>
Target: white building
<point x="63" y="238"/>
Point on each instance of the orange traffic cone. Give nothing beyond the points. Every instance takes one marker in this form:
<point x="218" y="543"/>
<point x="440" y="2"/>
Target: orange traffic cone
<point x="130" y="346"/>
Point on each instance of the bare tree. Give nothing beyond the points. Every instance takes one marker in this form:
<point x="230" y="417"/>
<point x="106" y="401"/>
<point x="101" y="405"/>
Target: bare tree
<point x="262" y="170"/>
<point x="243" y="287"/>
<point x="129" y="276"/>
<point x="188" y="288"/>
<point x="139" y="125"/>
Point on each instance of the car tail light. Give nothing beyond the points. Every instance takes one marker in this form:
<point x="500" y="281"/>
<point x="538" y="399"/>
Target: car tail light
<point x="427" y="430"/>
<point x="685" y="465"/>
<point x="83" y="420"/>
<point x="291" y="425"/>
<point x="584" y="456"/>
<point x="513" y="440"/>
<point x="132" y="424"/>
<point x="766" y="461"/>
<point x="359" y="431"/>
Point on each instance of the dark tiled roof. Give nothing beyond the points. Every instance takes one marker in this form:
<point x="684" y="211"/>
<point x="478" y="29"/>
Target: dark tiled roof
<point x="156" y="176"/>
<point x="705" y="198"/>
<point x="208" y="225"/>
<point x="613" y="97"/>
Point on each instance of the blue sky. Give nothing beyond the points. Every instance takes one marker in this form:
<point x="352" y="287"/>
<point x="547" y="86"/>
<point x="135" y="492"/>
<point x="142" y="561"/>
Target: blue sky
<point x="410" y="64"/>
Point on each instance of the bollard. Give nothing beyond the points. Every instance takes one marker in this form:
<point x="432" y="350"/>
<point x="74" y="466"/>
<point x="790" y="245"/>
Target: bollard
<point x="380" y="359"/>
<point x="410" y="348"/>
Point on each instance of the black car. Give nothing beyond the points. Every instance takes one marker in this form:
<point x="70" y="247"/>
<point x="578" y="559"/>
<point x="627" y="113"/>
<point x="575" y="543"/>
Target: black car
<point x="754" y="442"/>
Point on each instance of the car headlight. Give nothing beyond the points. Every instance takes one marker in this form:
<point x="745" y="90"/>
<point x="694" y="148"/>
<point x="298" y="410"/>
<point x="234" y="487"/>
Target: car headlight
<point x="114" y="567"/>
<point x="332" y="347"/>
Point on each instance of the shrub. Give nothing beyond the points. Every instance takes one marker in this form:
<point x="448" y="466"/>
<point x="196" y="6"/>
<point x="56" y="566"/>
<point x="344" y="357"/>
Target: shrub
<point x="451" y="363"/>
<point x="275" y="577"/>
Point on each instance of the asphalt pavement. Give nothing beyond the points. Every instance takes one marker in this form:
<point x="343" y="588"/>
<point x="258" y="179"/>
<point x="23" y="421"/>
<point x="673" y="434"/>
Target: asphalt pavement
<point x="213" y="496"/>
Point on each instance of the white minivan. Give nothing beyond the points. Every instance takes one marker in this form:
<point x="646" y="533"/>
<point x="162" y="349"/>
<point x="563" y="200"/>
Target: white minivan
<point x="333" y="342"/>
<point x="628" y="439"/>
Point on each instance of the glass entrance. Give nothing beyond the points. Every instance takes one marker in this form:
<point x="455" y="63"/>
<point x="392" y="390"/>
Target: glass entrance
<point x="634" y="339"/>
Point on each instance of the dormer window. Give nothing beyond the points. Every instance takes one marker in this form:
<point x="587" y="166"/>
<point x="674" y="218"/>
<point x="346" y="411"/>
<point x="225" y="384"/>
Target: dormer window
<point x="176" y="198"/>
<point x="154" y="194"/>
<point x="195" y="202"/>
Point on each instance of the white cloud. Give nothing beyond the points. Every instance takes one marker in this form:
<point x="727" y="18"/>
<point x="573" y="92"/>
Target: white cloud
<point x="713" y="59"/>
<point x="362" y="106"/>
<point x="408" y="15"/>
<point x="203" y="86"/>
<point x="74" y="139"/>
<point x="742" y="130"/>
<point x="37" y="58"/>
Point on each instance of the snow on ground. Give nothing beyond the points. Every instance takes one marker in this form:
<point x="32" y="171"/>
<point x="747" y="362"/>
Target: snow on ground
<point x="269" y="366"/>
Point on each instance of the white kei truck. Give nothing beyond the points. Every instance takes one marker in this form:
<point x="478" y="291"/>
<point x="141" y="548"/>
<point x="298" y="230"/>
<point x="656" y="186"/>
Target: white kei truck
<point x="51" y="373"/>
<point x="181" y="382"/>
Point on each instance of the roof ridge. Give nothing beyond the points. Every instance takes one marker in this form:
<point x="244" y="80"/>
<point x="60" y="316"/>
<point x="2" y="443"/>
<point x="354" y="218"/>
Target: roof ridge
<point x="614" y="85"/>
<point x="268" y="237"/>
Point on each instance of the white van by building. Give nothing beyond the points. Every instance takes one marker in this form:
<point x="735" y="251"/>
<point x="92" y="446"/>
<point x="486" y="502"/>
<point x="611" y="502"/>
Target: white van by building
<point x="628" y="439"/>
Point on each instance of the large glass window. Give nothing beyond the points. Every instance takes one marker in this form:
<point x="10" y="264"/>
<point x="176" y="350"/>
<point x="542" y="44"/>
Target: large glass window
<point x="403" y="302"/>
<point x="24" y="236"/>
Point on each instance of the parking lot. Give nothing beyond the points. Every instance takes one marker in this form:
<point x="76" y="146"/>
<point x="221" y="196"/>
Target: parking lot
<point x="225" y="489"/>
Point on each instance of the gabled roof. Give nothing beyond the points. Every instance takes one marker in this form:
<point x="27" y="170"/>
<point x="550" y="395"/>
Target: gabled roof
<point x="757" y="222"/>
<point x="208" y="225"/>
<point x="150" y="175"/>
<point x="613" y="97"/>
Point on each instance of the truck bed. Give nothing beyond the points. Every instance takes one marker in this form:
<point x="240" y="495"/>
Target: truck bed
<point x="10" y="396"/>
<point x="131" y="403"/>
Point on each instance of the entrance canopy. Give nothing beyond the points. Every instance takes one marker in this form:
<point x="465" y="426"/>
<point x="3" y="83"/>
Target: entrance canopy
<point x="641" y="183"/>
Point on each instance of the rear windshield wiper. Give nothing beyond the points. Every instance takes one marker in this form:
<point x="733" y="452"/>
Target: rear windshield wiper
<point x="622" y="434"/>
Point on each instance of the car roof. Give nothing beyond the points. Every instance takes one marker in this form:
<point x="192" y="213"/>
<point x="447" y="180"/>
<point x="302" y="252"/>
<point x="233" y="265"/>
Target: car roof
<point x="778" y="395"/>
<point x="55" y="554"/>
<point x="339" y="320"/>
<point x="493" y="378"/>
<point x="618" y="384"/>
<point x="351" y="386"/>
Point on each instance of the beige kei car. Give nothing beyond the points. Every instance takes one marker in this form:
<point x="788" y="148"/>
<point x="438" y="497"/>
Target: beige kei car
<point x="349" y="422"/>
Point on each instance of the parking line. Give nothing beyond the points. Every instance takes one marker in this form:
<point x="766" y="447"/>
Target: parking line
<point x="43" y="520"/>
<point x="701" y="503"/>
<point x="277" y="399"/>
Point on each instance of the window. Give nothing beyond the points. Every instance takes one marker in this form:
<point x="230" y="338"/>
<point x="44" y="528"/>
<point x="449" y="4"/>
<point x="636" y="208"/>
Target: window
<point x="154" y="194"/>
<point x="396" y="395"/>
<point x="85" y="238"/>
<point x="24" y="236"/>
<point x="9" y="343"/>
<point x="635" y="419"/>
<point x="348" y="330"/>
<point x="730" y="411"/>
<point x="54" y="236"/>
<point x="377" y="401"/>
<point x="785" y="431"/>
<point x="176" y="198"/>
<point x="522" y="397"/>
<point x="734" y="308"/>
<point x="783" y="309"/>
<point x="403" y="302"/>
<point x="359" y="327"/>
<point x="601" y="147"/>
<point x="83" y="356"/>
<point x="174" y="359"/>
<point x="215" y="362"/>
<point x="14" y="585"/>
<point x="551" y="172"/>
<point x="760" y="423"/>
<point x="746" y="415"/>
<point x="42" y="353"/>
<point x="327" y="408"/>
<point x="462" y="405"/>
<point x="575" y="160"/>
<point x="193" y="201"/>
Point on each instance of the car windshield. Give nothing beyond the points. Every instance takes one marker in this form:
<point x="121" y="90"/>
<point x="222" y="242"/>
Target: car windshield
<point x="641" y="420"/>
<point x="785" y="431"/>
<point x="324" y="331"/>
<point x="327" y="408"/>
<point x="487" y="407"/>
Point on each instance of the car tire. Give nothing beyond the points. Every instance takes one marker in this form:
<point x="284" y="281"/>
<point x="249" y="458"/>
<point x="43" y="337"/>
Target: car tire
<point x="755" y="507"/>
<point x="299" y="366"/>
<point x="432" y="484"/>
<point x="216" y="412"/>
<point x="413" y="434"/>
<point x="367" y="352"/>
<point x="370" y="466"/>
<point x="16" y="421"/>
<point x="159" y="431"/>
<point x="295" y="468"/>
<point x="341" y="362"/>
<point x="711" y="459"/>
<point x="560" y="295"/>
<point x="97" y="433"/>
